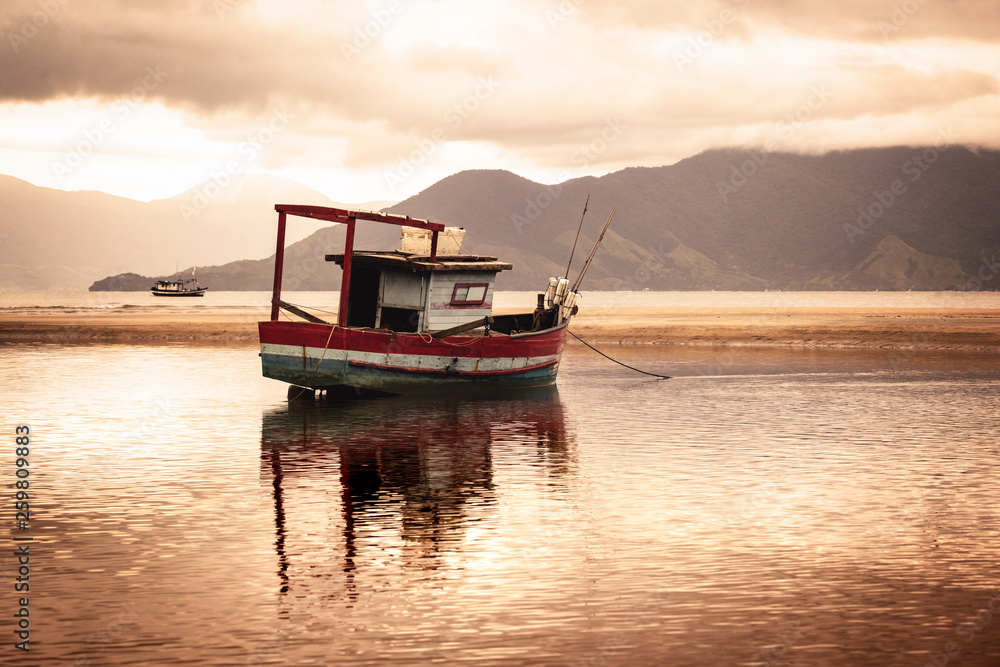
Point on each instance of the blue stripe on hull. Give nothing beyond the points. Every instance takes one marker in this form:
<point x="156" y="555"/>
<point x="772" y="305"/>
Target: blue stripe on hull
<point x="338" y="373"/>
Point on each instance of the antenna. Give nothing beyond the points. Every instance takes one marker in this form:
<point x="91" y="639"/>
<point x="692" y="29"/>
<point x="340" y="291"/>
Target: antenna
<point x="593" y="251"/>
<point x="573" y="251"/>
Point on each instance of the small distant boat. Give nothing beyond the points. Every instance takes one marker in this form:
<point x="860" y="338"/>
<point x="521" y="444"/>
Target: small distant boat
<point x="177" y="288"/>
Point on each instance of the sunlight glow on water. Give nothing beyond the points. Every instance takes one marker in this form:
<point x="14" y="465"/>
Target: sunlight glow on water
<point x="763" y="507"/>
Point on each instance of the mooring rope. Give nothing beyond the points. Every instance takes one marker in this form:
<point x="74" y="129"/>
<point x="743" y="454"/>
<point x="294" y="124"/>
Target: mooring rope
<point x="299" y="305"/>
<point x="637" y="370"/>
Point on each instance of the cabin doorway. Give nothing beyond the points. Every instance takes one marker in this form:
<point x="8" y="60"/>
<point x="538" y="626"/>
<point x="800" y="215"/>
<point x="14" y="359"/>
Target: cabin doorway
<point x="362" y="302"/>
<point x="403" y="320"/>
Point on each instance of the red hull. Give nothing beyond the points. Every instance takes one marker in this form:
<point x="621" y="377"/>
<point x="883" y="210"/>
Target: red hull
<point x="323" y="356"/>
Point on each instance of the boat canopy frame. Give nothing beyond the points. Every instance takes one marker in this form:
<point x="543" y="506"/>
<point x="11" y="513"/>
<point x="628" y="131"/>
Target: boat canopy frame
<point x="344" y="217"/>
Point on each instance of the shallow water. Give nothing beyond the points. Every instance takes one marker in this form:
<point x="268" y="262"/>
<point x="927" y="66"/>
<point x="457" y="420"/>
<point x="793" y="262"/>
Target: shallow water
<point x="773" y="507"/>
<point x="222" y="302"/>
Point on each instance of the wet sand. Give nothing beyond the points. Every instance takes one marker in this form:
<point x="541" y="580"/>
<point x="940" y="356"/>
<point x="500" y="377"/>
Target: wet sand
<point x="912" y="328"/>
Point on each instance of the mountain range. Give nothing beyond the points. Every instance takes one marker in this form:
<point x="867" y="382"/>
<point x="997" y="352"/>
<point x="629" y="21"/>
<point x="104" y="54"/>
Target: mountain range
<point x="921" y="218"/>
<point x="889" y="219"/>
<point x="57" y="240"/>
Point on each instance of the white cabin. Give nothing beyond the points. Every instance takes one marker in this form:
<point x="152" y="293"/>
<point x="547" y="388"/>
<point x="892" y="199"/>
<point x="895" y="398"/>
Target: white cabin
<point x="404" y="291"/>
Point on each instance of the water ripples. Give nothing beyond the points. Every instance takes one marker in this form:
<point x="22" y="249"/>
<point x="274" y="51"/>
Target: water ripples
<point x="789" y="508"/>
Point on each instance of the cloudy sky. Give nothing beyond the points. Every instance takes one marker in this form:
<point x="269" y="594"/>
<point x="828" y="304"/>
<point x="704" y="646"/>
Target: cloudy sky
<point x="377" y="100"/>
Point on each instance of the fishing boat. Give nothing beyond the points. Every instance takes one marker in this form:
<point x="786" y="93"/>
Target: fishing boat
<point x="177" y="288"/>
<point x="414" y="320"/>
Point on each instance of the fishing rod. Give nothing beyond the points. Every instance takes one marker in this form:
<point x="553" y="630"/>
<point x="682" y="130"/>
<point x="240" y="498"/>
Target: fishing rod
<point x="577" y="239"/>
<point x="593" y="252"/>
<point x="579" y="279"/>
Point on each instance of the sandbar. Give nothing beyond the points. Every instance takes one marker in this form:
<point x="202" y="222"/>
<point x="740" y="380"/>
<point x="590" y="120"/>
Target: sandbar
<point x="975" y="330"/>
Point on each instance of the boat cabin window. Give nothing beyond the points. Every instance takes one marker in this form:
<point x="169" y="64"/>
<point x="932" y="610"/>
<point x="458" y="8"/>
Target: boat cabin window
<point x="469" y="294"/>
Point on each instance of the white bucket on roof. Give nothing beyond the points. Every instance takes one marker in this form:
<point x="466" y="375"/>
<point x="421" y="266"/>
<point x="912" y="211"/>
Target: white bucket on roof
<point x="418" y="241"/>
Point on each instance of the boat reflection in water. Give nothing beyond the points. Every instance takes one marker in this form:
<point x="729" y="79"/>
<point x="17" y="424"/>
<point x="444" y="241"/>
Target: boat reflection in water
<point x="397" y="487"/>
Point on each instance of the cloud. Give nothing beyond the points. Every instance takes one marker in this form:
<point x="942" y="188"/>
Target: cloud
<point x="862" y="20"/>
<point x="240" y="61"/>
<point x="530" y="82"/>
<point x="212" y="64"/>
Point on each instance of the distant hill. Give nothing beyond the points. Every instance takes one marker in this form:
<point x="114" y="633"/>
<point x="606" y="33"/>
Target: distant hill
<point x="888" y="219"/>
<point x="305" y="268"/>
<point x="56" y="240"/>
<point x="725" y="220"/>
